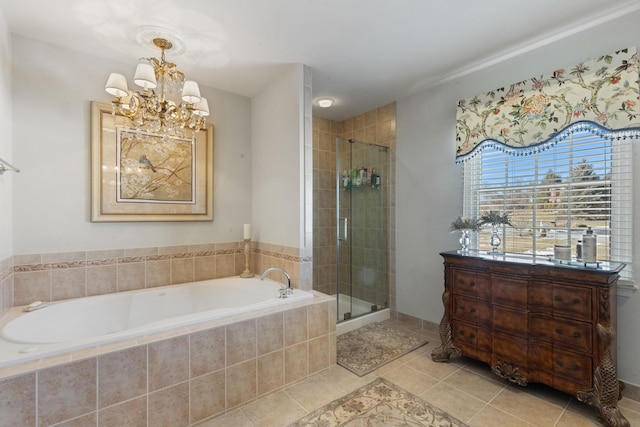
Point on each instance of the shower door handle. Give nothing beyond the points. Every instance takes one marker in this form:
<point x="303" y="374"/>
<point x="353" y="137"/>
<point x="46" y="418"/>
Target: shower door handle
<point x="342" y="229"/>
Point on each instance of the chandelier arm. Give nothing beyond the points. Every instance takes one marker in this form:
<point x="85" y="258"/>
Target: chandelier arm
<point x="153" y="111"/>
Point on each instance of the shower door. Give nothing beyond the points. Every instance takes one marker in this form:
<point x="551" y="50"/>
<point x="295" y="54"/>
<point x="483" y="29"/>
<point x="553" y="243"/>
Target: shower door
<point x="362" y="228"/>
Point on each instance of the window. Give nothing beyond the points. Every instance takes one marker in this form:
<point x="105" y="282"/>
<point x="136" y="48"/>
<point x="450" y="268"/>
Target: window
<point x="555" y="193"/>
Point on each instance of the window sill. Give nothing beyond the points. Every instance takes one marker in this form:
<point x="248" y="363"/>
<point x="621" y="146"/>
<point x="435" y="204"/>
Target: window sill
<point x="626" y="288"/>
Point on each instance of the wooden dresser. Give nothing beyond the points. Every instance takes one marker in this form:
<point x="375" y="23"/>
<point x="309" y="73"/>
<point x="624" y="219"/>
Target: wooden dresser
<point x="535" y="322"/>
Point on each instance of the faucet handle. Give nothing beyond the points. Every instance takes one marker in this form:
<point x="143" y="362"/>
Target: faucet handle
<point x="283" y="292"/>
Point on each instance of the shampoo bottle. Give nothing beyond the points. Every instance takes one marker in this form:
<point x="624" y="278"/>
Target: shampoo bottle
<point x="589" y="246"/>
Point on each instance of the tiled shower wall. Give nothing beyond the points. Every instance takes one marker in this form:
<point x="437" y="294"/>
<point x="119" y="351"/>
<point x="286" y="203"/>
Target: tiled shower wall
<point x="377" y="127"/>
<point x="325" y="133"/>
<point x="56" y="276"/>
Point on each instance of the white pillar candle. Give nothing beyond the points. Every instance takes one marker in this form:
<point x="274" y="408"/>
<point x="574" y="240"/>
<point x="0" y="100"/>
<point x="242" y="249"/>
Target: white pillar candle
<point x="247" y="231"/>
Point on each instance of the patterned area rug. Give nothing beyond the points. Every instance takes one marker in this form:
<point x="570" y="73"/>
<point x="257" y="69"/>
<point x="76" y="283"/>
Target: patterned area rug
<point x="379" y="403"/>
<point x="367" y="348"/>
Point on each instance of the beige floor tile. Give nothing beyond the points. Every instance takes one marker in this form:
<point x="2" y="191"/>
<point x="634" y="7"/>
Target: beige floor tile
<point x="481" y="368"/>
<point x="459" y="404"/>
<point x="478" y="386"/>
<point x="522" y="404"/>
<point x="314" y="392"/>
<point x="490" y="416"/>
<point x="546" y="393"/>
<point x="572" y="419"/>
<point x="410" y="356"/>
<point x="583" y="410"/>
<point x="381" y="371"/>
<point x="274" y="410"/>
<point x="438" y="370"/>
<point x="629" y="404"/>
<point x="431" y="345"/>
<point x="409" y="379"/>
<point x="234" y="418"/>
<point x="626" y="406"/>
<point x="344" y="379"/>
<point x="632" y="416"/>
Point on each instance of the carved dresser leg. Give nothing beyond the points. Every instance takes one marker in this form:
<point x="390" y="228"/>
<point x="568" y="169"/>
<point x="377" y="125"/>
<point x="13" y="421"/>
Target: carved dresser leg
<point x="447" y="348"/>
<point x="605" y="393"/>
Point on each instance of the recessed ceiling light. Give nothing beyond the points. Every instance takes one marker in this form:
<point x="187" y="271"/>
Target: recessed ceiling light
<point x="325" y="102"/>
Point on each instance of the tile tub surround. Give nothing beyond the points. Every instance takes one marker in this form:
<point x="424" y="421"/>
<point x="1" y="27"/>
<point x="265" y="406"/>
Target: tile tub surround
<point x="181" y="377"/>
<point x="57" y="276"/>
<point x="6" y="285"/>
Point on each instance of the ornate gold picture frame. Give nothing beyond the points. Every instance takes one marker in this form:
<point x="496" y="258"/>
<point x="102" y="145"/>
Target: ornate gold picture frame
<point x="141" y="176"/>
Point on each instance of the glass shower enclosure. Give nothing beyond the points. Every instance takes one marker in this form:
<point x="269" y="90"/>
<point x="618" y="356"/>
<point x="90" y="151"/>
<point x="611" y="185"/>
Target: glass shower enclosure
<point x="362" y="228"/>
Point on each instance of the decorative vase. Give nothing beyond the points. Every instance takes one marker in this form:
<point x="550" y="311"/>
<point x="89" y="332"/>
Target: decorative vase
<point x="495" y="239"/>
<point x="464" y="242"/>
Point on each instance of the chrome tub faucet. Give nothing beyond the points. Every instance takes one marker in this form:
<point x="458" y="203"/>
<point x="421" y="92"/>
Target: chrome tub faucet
<point x="284" y="291"/>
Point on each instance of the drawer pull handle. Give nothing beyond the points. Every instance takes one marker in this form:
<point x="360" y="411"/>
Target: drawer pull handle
<point x="461" y="307"/>
<point x="472" y="336"/>
<point x="473" y="310"/>
<point x="574" y="335"/>
<point x="559" y="362"/>
<point x="576" y="368"/>
<point x="576" y="301"/>
<point x="557" y="298"/>
<point x="472" y="284"/>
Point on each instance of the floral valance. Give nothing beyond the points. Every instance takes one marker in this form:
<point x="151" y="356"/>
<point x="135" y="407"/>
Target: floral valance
<point x="530" y="113"/>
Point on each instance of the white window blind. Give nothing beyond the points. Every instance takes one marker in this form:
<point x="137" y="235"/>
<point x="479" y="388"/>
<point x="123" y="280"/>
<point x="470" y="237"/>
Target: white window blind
<point x="555" y="194"/>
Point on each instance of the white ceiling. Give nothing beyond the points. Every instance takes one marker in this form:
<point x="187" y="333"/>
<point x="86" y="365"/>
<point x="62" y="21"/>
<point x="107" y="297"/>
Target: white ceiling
<point x="363" y="53"/>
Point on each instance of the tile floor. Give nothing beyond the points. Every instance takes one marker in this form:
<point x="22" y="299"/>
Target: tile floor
<point x="464" y="388"/>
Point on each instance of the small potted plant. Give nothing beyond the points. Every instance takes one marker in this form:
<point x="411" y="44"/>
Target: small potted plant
<point x="465" y="226"/>
<point x="495" y="219"/>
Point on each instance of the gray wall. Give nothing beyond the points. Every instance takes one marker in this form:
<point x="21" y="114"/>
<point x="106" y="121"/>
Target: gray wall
<point x="429" y="184"/>
<point x="6" y="143"/>
<point x="52" y="91"/>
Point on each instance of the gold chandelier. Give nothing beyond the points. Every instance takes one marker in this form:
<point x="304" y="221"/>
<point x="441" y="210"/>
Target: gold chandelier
<point x="167" y="104"/>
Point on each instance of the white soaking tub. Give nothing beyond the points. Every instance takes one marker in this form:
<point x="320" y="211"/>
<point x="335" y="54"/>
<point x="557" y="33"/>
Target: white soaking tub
<point x="85" y="322"/>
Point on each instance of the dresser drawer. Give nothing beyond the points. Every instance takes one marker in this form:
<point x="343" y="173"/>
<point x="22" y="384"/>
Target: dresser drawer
<point x="508" y="291"/>
<point x="573" y="301"/>
<point x="464" y="333"/>
<point x="509" y="320"/>
<point x="471" y="310"/>
<point x="575" y="368"/>
<point x="470" y="283"/>
<point x="540" y="362"/>
<point x="540" y="296"/>
<point x="572" y="334"/>
<point x="509" y="349"/>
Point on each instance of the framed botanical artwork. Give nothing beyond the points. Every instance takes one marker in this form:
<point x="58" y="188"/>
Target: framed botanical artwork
<point x="142" y="176"/>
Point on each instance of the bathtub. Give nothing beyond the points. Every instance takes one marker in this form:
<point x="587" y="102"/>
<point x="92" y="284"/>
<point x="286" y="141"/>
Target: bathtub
<point x="92" y="321"/>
